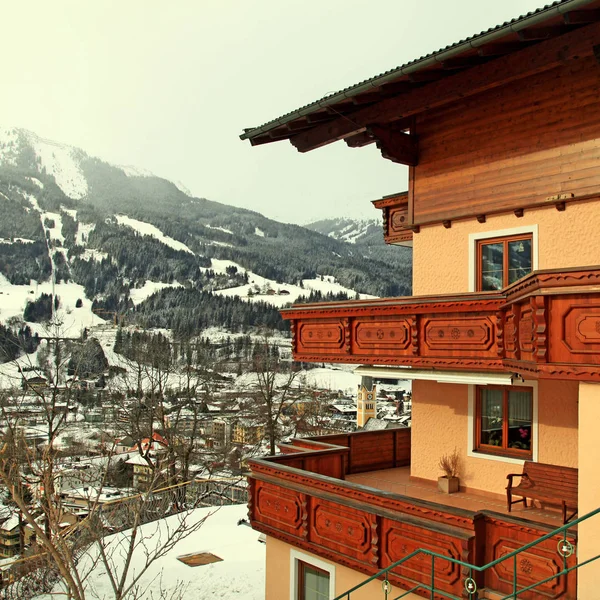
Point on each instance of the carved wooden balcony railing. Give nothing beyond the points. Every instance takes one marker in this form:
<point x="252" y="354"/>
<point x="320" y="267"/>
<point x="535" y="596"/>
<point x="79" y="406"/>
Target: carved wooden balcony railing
<point x="395" y="219"/>
<point x="545" y="325"/>
<point x="301" y="497"/>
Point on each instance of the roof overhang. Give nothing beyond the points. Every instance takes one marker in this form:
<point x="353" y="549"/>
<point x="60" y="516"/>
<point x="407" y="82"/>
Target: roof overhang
<point x="327" y="114"/>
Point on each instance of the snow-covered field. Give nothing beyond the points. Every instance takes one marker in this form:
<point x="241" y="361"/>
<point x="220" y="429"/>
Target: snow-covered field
<point x="13" y="299"/>
<point x="278" y="299"/>
<point x="147" y="229"/>
<point x="239" y="575"/>
<point x="138" y="295"/>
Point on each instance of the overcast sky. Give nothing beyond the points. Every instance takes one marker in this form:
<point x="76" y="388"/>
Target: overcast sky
<point x="169" y="85"/>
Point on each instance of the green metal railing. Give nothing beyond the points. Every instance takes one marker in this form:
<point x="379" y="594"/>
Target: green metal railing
<point x="564" y="548"/>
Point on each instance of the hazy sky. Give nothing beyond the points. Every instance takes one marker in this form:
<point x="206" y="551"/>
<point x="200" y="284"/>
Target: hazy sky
<point x="170" y="85"/>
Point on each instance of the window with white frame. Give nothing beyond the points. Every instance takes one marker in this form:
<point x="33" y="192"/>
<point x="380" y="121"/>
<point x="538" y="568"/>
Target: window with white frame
<point x="310" y="578"/>
<point x="501" y="257"/>
<point x="503" y="422"/>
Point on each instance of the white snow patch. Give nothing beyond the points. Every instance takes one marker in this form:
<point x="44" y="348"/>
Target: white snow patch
<point x="72" y="213"/>
<point x="280" y="294"/>
<point x="138" y="295"/>
<point x="148" y="229"/>
<point x="220" y="229"/>
<point x="93" y="254"/>
<point x="60" y="161"/>
<point x="23" y="240"/>
<point x="259" y="232"/>
<point x="55" y="232"/>
<point x="214" y="243"/>
<point x="240" y="574"/>
<point x="36" y="181"/>
<point x="13" y="299"/>
<point x="33" y="200"/>
<point x="132" y="171"/>
<point x="83" y="232"/>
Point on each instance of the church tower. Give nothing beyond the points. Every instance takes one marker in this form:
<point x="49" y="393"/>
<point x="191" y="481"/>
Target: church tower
<point x="367" y="404"/>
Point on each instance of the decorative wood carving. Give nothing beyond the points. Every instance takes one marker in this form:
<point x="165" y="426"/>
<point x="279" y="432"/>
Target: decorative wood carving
<point x="278" y="507"/>
<point x="503" y="536"/>
<point x="400" y="539"/>
<point x="370" y="335"/>
<point x="468" y="336"/>
<point x="538" y="306"/>
<point x="326" y="336"/>
<point x="414" y="335"/>
<point x="581" y="326"/>
<point x="367" y="529"/>
<point x="343" y="529"/>
<point x="396" y="222"/>
<point x="546" y="325"/>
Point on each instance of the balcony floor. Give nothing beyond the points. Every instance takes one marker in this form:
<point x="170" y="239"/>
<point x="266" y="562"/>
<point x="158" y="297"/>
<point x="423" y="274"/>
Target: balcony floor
<point x="398" y="481"/>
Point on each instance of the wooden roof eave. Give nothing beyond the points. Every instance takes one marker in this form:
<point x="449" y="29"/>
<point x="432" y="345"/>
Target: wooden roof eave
<point x="342" y="115"/>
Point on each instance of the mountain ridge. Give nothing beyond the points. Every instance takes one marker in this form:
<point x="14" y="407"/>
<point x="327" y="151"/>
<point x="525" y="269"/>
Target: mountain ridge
<point x="113" y="233"/>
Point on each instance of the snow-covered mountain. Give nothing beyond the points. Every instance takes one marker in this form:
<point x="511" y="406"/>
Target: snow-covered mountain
<point x="120" y="241"/>
<point x="352" y="231"/>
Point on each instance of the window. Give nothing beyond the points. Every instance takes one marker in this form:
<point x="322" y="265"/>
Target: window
<point x="313" y="583"/>
<point x="504" y="422"/>
<point x="310" y="577"/>
<point x="502" y="261"/>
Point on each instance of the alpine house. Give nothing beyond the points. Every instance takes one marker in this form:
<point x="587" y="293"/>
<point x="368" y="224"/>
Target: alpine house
<point x="501" y="134"/>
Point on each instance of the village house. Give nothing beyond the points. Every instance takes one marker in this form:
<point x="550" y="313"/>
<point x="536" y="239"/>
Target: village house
<point x="501" y="135"/>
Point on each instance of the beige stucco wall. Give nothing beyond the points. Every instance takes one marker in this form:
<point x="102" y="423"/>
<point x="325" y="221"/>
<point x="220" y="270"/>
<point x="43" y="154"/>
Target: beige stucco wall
<point x="566" y="239"/>
<point x="440" y="424"/>
<point x="278" y="576"/>
<point x="589" y="489"/>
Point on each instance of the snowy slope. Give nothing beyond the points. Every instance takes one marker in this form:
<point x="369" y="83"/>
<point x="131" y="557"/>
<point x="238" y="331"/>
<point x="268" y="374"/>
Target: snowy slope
<point x="147" y="229"/>
<point x="239" y="575"/>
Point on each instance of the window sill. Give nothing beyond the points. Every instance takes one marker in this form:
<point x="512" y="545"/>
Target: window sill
<point x="497" y="457"/>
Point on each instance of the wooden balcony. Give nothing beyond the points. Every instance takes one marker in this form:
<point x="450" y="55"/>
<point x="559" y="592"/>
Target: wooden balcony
<point x="396" y="229"/>
<point x="324" y="495"/>
<point x="545" y="325"/>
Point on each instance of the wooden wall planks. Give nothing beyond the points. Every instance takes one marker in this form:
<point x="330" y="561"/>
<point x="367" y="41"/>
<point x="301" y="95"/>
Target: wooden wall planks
<point x="511" y="146"/>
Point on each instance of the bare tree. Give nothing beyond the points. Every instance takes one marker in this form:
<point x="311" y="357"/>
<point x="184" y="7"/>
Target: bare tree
<point x="278" y="386"/>
<point x="31" y="467"/>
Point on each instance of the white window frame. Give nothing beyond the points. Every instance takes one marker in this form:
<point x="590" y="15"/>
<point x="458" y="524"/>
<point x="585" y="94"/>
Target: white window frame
<point x="476" y="237"/>
<point x="296" y="557"/>
<point x="534" y="426"/>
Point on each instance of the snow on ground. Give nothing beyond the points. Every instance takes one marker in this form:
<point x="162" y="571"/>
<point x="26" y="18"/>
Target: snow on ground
<point x="220" y="229"/>
<point x="148" y="229"/>
<point x="24" y="240"/>
<point x="13" y="299"/>
<point x="59" y="160"/>
<point x="93" y="254"/>
<point x="259" y="232"/>
<point x="83" y="232"/>
<point x="72" y="213"/>
<point x="280" y="298"/>
<point x="36" y="181"/>
<point x="215" y="243"/>
<point x="324" y="378"/>
<point x="55" y="232"/>
<point x="240" y="574"/>
<point x="132" y="171"/>
<point x="138" y="295"/>
<point x="33" y="200"/>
